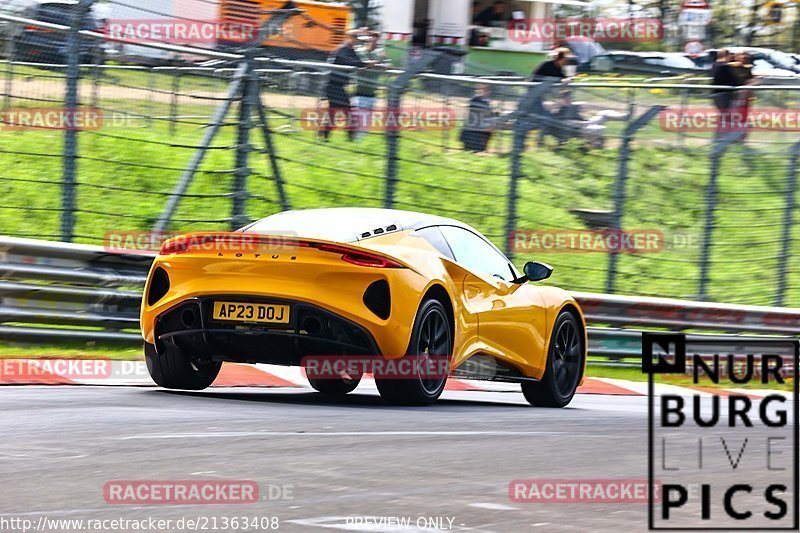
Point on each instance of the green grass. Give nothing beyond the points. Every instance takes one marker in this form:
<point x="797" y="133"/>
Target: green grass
<point x="70" y="350"/>
<point x="635" y="374"/>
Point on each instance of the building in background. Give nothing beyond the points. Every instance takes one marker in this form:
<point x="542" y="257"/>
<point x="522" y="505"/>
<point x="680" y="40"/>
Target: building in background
<point x="469" y="26"/>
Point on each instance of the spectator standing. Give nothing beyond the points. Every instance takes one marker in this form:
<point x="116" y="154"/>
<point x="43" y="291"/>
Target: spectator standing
<point x="478" y="130"/>
<point x="743" y="70"/>
<point x="722" y="73"/>
<point x="368" y="81"/>
<point x="552" y="68"/>
<point x="336" y="89"/>
<point x="492" y="16"/>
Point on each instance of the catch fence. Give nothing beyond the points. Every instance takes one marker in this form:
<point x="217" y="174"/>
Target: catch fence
<point x="207" y="139"/>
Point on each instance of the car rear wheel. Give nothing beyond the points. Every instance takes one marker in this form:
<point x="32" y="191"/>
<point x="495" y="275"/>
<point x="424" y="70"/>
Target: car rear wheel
<point x="430" y="348"/>
<point x="342" y="385"/>
<point x="564" y="370"/>
<point x="174" y="370"/>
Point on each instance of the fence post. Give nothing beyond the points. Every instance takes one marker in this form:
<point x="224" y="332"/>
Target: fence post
<point x="173" y="102"/>
<point x="722" y="142"/>
<point x="243" y="148"/>
<point x="786" y="237"/>
<point x="70" y="153"/>
<point x="270" y="145"/>
<point x="621" y="183"/>
<point x="234" y="90"/>
<point x="524" y="118"/>
<point x="10" y="53"/>
<point x="394" y="99"/>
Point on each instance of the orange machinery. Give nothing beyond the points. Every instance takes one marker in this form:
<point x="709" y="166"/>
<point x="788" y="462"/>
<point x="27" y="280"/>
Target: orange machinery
<point x="316" y="31"/>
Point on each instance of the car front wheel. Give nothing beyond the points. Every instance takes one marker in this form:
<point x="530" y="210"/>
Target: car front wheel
<point x="565" y="362"/>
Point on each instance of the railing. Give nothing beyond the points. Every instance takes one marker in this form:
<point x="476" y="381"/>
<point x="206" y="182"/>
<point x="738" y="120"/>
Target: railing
<point x="53" y="293"/>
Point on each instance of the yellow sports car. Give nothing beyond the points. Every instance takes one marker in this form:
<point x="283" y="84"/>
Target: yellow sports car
<point x="357" y="282"/>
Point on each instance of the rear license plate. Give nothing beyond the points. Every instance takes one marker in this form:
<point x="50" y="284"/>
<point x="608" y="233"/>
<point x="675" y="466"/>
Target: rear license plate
<point x="261" y="313"/>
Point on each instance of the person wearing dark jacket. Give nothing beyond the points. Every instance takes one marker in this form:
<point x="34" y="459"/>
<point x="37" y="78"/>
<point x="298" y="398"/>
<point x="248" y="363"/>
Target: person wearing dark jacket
<point x="478" y="129"/>
<point x="336" y="89"/>
<point x="553" y="68"/>
<point x="742" y="68"/>
<point x="723" y="73"/>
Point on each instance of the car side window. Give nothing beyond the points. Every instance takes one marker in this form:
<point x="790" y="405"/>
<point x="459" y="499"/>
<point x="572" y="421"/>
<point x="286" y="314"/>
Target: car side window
<point x="434" y="236"/>
<point x="476" y="254"/>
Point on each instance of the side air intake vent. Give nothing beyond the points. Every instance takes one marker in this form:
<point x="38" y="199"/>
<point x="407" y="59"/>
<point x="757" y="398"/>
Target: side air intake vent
<point x="378" y="300"/>
<point x="159" y="286"/>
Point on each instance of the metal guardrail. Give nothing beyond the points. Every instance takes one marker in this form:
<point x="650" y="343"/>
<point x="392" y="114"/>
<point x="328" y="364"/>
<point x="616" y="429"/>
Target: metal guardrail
<point x="53" y="293"/>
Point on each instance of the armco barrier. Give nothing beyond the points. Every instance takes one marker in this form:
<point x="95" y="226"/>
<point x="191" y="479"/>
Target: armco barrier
<point x="52" y="293"/>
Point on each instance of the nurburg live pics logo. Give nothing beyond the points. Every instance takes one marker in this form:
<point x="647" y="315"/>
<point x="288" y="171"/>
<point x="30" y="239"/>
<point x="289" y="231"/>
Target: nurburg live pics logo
<point x="737" y="444"/>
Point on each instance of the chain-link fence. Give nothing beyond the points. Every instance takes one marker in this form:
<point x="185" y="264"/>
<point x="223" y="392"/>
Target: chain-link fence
<point x="597" y="177"/>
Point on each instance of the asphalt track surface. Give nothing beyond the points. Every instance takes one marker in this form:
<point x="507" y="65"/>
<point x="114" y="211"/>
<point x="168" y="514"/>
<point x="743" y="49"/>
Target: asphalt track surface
<point x="345" y="457"/>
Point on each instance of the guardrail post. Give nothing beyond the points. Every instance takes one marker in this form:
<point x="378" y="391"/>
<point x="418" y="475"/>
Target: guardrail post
<point x="243" y="148"/>
<point x="71" y="134"/>
<point x="524" y="119"/>
<point x="621" y="183"/>
<point x="722" y="142"/>
<point x="394" y="100"/>
<point x="788" y="221"/>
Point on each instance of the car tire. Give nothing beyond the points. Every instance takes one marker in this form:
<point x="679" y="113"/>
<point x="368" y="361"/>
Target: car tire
<point x="334" y="386"/>
<point x="565" y="363"/>
<point x="431" y="341"/>
<point x="174" y="370"/>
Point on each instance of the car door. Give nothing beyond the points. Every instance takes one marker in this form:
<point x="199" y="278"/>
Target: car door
<point x="511" y="318"/>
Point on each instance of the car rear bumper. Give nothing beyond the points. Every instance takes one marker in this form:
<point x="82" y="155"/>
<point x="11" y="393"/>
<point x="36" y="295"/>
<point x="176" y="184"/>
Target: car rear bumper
<point x="311" y="330"/>
<point x="336" y="287"/>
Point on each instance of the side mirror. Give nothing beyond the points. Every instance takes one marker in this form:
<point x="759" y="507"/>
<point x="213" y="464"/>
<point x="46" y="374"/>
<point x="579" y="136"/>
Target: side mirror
<point x="535" y="271"/>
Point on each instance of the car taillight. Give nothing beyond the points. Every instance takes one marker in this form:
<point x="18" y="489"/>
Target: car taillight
<point x="360" y="258"/>
<point x="243" y="242"/>
<point x="229" y="242"/>
<point x="38" y="29"/>
<point x="181" y="245"/>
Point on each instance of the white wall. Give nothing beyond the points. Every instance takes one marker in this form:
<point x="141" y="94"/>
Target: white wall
<point x="450" y="17"/>
<point x="398" y="16"/>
